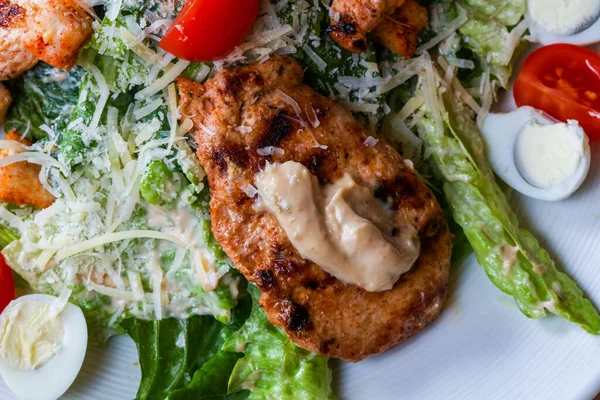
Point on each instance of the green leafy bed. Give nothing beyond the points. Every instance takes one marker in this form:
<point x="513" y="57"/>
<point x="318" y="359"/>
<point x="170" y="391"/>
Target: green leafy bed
<point x="129" y="172"/>
<point x="248" y="358"/>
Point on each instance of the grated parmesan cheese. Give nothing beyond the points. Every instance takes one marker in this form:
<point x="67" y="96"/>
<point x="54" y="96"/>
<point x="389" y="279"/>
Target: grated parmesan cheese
<point x="163" y="81"/>
<point x="114" y="237"/>
<point x="12" y="219"/>
<point x="206" y="130"/>
<point x="410" y="107"/>
<point x="243" y="129"/>
<point x="173" y="113"/>
<point x="148" y="109"/>
<point x="319" y="62"/>
<point x="361" y="107"/>
<point x="371" y="141"/>
<point x="35" y="158"/>
<point x="453" y="26"/>
<point x="292" y="103"/>
<point x="270" y="150"/>
<point x="250" y="190"/>
<point x="463" y="93"/>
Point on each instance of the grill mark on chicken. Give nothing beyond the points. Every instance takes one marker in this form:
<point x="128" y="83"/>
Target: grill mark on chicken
<point x="233" y="84"/>
<point x="316" y="310"/>
<point x="295" y="316"/>
<point x="278" y="128"/>
<point x="226" y="155"/>
<point x="346" y="27"/>
<point x="10" y="13"/>
<point x="265" y="279"/>
<point x="359" y="45"/>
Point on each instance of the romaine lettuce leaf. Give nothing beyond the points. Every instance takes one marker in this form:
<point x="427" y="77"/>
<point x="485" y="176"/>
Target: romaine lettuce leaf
<point x="248" y="358"/>
<point x="211" y="381"/>
<point x="172" y="352"/>
<point x="492" y="33"/>
<point x="43" y="95"/>
<point x="508" y="13"/>
<point x="490" y="37"/>
<point x="511" y="256"/>
<point x="273" y="367"/>
<point x="7" y="236"/>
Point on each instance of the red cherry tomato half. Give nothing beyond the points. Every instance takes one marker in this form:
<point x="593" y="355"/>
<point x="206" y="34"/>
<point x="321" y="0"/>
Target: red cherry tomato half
<point x="207" y="30"/>
<point x="7" y="284"/>
<point x="564" y="81"/>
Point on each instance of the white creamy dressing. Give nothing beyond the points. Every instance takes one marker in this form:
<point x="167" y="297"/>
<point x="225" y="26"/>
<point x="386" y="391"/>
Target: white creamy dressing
<point x="29" y="335"/>
<point x="548" y="155"/>
<point x="563" y="17"/>
<point x="339" y="226"/>
<point x="181" y="223"/>
<point x="509" y="256"/>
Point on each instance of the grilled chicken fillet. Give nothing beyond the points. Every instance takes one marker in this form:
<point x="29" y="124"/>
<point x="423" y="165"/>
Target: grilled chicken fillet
<point x="243" y="112"/>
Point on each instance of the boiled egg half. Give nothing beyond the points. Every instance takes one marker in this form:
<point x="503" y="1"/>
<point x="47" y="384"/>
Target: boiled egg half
<point x="537" y="155"/>
<point x="564" y="21"/>
<point x="43" y="341"/>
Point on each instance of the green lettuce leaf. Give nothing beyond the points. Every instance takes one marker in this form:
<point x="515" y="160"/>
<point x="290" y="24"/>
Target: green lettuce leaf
<point x="273" y="367"/>
<point x="43" y="95"/>
<point x="248" y="358"/>
<point x="211" y="381"/>
<point x="508" y="13"/>
<point x="491" y="34"/>
<point x="172" y="351"/>
<point x="7" y="236"/>
<point x="511" y="256"/>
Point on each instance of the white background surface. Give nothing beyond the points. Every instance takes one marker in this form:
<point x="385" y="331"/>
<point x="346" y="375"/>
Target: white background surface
<point x="481" y="347"/>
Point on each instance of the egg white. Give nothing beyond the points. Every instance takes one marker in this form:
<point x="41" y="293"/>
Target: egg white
<point x="501" y="132"/>
<point x="586" y="34"/>
<point x="53" y="379"/>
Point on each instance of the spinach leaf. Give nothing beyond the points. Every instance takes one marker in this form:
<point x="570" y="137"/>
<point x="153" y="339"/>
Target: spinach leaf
<point x="43" y="96"/>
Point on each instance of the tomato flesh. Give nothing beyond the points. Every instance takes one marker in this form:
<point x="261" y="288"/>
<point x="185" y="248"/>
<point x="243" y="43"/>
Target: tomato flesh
<point x="7" y="284"/>
<point x="206" y="30"/>
<point x="564" y="81"/>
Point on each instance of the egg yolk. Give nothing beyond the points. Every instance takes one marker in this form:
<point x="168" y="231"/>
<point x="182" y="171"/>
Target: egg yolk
<point x="30" y="335"/>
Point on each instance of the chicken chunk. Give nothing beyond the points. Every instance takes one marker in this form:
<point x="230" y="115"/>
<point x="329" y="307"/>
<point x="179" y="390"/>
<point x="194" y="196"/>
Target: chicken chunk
<point x="399" y="31"/>
<point x="5" y="100"/>
<point x="316" y="310"/>
<point x="52" y="31"/>
<point x="14" y="57"/>
<point x="395" y="23"/>
<point x="58" y="30"/>
<point x="19" y="182"/>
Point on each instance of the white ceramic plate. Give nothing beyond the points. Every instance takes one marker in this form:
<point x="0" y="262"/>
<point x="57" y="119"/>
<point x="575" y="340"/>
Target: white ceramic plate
<point x="481" y="347"/>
